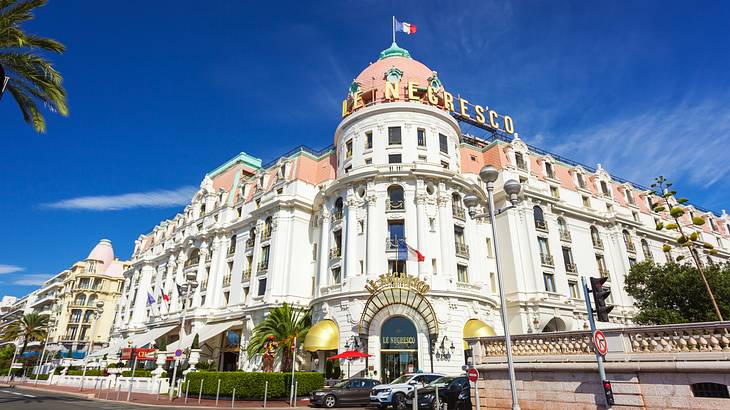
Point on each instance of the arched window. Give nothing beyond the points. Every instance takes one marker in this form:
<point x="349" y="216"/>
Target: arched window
<point x="456" y="206"/>
<point x="646" y="250"/>
<point x="597" y="243"/>
<point x="88" y="315"/>
<point x="628" y="241"/>
<point x="193" y="258"/>
<point x="267" y="228"/>
<point x="75" y="315"/>
<point x="395" y="197"/>
<point x="338" y="209"/>
<point x="91" y="301"/>
<point x="539" y="218"/>
<point x="80" y="300"/>
<point x="563" y="228"/>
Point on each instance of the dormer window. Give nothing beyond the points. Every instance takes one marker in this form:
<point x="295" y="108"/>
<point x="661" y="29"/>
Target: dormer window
<point x="549" y="171"/>
<point x="348" y="149"/>
<point x="520" y="161"/>
<point x="581" y="180"/>
<point x="712" y="224"/>
<point x="605" y="190"/>
<point x="434" y="81"/>
<point x="393" y="75"/>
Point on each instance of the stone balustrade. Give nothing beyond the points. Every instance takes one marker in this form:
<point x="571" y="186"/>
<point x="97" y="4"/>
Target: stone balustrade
<point x="679" y="338"/>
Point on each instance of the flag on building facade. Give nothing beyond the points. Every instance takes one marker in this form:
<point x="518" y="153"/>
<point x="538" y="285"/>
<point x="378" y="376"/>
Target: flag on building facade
<point x="404" y="27"/>
<point x="180" y="289"/>
<point x="165" y="296"/>
<point x="150" y="299"/>
<point x="414" y="254"/>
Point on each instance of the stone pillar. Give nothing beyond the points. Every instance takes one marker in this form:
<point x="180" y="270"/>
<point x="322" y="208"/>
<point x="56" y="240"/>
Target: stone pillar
<point x="176" y="301"/>
<point x="201" y="274"/>
<point x="217" y="270"/>
<point x="168" y="286"/>
<point x="423" y="267"/>
<point x="447" y="266"/>
<point x="139" y="314"/>
<point x="324" y="251"/>
<point x="350" y="239"/>
<point x="375" y="245"/>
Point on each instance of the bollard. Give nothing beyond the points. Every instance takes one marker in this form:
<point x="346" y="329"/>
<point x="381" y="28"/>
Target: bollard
<point x="476" y="393"/>
<point x="179" y="388"/>
<point x="415" y="398"/>
<point x="159" y="387"/>
<point x="119" y="389"/>
<point x="266" y="392"/>
<point x="233" y="398"/>
<point x="96" y="382"/>
<point x="296" y="390"/>
<point x="200" y="392"/>
<point x="438" y="401"/>
<point x="129" y="391"/>
<point x="187" y="389"/>
<point x="106" y="396"/>
<point x="217" y="392"/>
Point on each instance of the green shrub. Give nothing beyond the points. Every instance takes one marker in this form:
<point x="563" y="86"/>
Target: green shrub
<point x="141" y="373"/>
<point x="250" y="385"/>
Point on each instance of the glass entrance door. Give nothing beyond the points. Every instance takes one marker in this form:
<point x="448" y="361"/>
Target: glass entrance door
<point x="398" y="348"/>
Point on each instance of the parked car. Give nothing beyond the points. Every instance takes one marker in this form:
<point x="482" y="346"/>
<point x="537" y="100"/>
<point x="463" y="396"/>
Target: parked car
<point x="353" y="391"/>
<point x="453" y="393"/>
<point x="394" y="393"/>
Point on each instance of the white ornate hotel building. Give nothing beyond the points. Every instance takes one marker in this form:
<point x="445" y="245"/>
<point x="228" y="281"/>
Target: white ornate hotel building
<point x="313" y="229"/>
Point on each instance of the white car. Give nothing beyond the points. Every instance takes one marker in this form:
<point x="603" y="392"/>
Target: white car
<point x="395" y="392"/>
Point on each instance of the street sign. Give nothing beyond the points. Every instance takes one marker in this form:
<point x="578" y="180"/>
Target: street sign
<point x="600" y="343"/>
<point x="473" y="375"/>
<point x="17" y="366"/>
<point x="178" y="352"/>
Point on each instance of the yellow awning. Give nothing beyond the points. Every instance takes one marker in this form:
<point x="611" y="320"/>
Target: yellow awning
<point x="324" y="335"/>
<point x="477" y="328"/>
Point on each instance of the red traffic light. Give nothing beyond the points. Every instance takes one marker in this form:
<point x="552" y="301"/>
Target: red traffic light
<point x="607" y="385"/>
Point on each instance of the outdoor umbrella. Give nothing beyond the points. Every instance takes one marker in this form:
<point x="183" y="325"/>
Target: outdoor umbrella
<point x="349" y="355"/>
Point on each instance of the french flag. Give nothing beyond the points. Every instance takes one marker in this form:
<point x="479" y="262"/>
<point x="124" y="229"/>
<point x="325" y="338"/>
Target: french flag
<point x="414" y="254"/>
<point x="407" y="28"/>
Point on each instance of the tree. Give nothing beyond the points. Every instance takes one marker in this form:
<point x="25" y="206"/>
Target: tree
<point x="33" y="79"/>
<point x="284" y="324"/>
<point x="675" y="293"/>
<point x="31" y="326"/>
<point x="666" y="202"/>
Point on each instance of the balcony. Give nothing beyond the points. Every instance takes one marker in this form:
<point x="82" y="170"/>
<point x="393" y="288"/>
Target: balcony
<point x="597" y="243"/>
<point x="647" y="255"/>
<point x="250" y="242"/>
<point x="458" y="212"/>
<point x="565" y="236"/>
<point x="571" y="268"/>
<point x="192" y="262"/>
<point x="227" y="280"/>
<point x="337" y="216"/>
<point x="462" y="249"/>
<point x="246" y="274"/>
<point x="335" y="253"/>
<point x="231" y="250"/>
<point x="541" y="226"/>
<point x="394" y="205"/>
<point x="547" y="260"/>
<point x="630" y="247"/>
<point x="603" y="271"/>
<point x="263" y="266"/>
<point x="391" y="244"/>
<point x="266" y="235"/>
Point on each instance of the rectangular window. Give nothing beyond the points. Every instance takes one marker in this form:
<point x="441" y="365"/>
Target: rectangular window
<point x="314" y="251"/>
<point x="368" y="161"/>
<point x="520" y="161"/>
<point x="362" y="266"/>
<point x="422" y="158"/>
<point x="586" y="202"/>
<point x="568" y="258"/>
<point x="459" y="234"/>
<point x="549" y="170"/>
<point x="433" y="265"/>
<point x="444" y="165"/>
<point x="544" y="248"/>
<point x="262" y="287"/>
<point x="462" y="275"/>
<point x="490" y="250"/>
<point x="396" y="234"/>
<point x="394" y="159"/>
<point x="369" y="140"/>
<point x="348" y="149"/>
<point x="554" y="192"/>
<point x="265" y="255"/>
<point x="549" y="280"/>
<point x="336" y="275"/>
<point x="444" y="143"/>
<point x="360" y="227"/>
<point x="636" y="216"/>
<point x="573" y="288"/>
<point x="581" y="181"/>
<point x="604" y="188"/>
<point x="421" y="137"/>
<point x="493" y="282"/>
<point x="394" y="136"/>
<point x="396" y="266"/>
<point x="629" y="197"/>
<point x="226" y="296"/>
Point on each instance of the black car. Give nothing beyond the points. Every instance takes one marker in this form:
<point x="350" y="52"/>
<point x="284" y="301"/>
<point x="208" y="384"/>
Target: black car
<point x="453" y="393"/>
<point x="346" y="392"/>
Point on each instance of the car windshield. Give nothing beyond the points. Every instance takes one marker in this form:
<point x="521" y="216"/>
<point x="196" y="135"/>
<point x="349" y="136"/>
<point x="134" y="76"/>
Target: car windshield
<point x="441" y="382"/>
<point x="401" y="379"/>
<point x="342" y="384"/>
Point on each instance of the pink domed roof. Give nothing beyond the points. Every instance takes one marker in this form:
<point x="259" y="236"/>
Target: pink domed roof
<point x="103" y="252"/>
<point x="116" y="269"/>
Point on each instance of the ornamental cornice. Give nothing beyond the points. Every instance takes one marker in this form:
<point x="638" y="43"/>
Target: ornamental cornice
<point x="371" y="200"/>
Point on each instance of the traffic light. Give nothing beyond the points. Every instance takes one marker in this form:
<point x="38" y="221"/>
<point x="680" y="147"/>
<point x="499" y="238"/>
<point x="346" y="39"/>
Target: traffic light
<point x="608" y="391"/>
<point x="599" y="298"/>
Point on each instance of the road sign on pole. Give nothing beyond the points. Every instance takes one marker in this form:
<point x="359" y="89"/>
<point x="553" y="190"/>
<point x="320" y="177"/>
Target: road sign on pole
<point x="600" y="343"/>
<point x="599" y="356"/>
<point x="473" y="375"/>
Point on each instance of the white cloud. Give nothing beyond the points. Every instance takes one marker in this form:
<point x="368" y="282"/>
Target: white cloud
<point x="36" y="279"/>
<point x="10" y="269"/>
<point x="687" y="141"/>
<point x="152" y="199"/>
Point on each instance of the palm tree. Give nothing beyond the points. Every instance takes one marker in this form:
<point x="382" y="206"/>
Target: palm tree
<point x="31" y="326"/>
<point x="32" y="78"/>
<point x="284" y="323"/>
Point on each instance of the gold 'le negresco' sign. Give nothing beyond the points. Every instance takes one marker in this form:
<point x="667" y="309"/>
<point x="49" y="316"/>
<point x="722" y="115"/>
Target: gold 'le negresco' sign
<point x="397" y="280"/>
<point x="437" y="97"/>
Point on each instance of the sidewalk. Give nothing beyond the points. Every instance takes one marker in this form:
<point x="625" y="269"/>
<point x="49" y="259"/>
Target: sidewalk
<point x="164" y="400"/>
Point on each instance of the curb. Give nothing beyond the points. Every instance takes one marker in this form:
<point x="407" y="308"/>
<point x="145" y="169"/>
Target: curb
<point x="80" y="395"/>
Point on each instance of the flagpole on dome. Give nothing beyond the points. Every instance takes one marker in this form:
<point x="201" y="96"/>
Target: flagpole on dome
<point x="392" y="26"/>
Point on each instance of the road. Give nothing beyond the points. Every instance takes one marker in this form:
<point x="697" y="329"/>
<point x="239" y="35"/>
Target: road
<point x="28" y="399"/>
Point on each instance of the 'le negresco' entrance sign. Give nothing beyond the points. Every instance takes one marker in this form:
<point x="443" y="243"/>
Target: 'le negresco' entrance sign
<point x="437" y="97"/>
<point x="397" y="280"/>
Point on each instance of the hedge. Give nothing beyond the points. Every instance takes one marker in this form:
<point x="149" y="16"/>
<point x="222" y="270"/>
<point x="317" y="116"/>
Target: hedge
<point x="250" y="385"/>
<point x="141" y="373"/>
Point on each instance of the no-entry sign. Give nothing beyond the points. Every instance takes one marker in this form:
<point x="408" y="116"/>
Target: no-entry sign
<point x="600" y="343"/>
<point x="473" y="375"/>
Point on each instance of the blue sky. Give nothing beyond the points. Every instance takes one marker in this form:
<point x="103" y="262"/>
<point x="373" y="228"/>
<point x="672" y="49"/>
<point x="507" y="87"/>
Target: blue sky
<point x="162" y="92"/>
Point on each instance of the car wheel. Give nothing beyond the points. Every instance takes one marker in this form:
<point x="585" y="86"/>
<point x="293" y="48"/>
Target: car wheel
<point x="442" y="405"/>
<point x="329" y="401"/>
<point x="399" y="401"/>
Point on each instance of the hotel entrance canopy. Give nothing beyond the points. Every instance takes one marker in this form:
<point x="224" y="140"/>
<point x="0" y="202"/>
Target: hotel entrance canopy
<point x="208" y="331"/>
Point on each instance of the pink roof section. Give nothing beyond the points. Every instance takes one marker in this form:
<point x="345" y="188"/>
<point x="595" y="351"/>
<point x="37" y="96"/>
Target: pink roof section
<point x="373" y="76"/>
<point x="115" y="269"/>
<point x="315" y="171"/>
<point x="103" y="252"/>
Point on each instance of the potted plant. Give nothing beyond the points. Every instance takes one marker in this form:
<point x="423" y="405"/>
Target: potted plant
<point x="194" y="353"/>
<point x="161" y="357"/>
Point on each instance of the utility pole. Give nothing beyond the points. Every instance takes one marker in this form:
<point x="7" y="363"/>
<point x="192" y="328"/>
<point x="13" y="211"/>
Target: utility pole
<point x="608" y="391"/>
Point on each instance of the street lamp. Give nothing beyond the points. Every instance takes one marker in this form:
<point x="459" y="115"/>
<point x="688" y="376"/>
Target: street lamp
<point x="188" y="288"/>
<point x="98" y="310"/>
<point x="51" y="325"/>
<point x="489" y="175"/>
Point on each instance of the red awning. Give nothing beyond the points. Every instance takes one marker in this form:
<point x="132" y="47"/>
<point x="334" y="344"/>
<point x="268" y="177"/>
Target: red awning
<point x="350" y="354"/>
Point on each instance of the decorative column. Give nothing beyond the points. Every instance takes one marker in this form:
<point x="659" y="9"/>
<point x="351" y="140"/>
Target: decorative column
<point x="201" y="273"/>
<point x="324" y="250"/>
<point x="139" y="314"/>
<point x="423" y="267"/>
<point x="215" y="279"/>
<point x="374" y="246"/>
<point x="350" y="238"/>
<point x="169" y="284"/>
<point x="175" y="301"/>
<point x="446" y="233"/>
